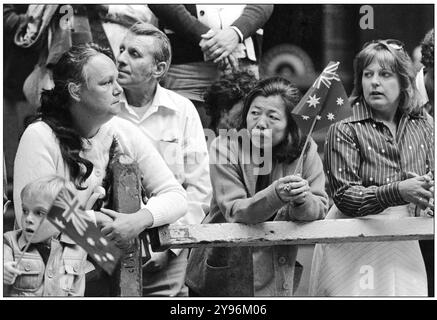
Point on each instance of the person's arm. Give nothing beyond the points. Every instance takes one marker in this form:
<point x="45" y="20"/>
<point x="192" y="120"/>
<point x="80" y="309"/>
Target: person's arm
<point x="342" y="162"/>
<point x="177" y="18"/>
<point x="197" y="181"/>
<point x="219" y="44"/>
<point x="316" y="201"/>
<point x="10" y="269"/>
<point x="254" y="17"/>
<point x="230" y="191"/>
<point x="167" y="200"/>
<point x="37" y="156"/>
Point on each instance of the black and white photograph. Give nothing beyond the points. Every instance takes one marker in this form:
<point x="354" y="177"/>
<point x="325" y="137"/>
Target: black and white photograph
<point x="204" y="152"/>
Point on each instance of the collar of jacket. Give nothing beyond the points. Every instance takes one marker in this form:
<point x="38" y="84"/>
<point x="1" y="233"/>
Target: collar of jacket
<point x="362" y="111"/>
<point x="62" y="238"/>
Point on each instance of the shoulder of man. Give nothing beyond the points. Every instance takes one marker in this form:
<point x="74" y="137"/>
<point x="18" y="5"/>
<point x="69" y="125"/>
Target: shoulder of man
<point x="183" y="104"/>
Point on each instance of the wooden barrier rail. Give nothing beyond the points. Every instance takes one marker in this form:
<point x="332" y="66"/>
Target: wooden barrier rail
<point x="279" y="233"/>
<point x="127" y="281"/>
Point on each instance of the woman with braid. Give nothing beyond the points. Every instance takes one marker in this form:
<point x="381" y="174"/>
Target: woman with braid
<point x="72" y="136"/>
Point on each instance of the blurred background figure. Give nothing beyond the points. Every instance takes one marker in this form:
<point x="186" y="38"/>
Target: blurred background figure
<point x="425" y="76"/>
<point x="224" y="99"/>
<point x="425" y="85"/>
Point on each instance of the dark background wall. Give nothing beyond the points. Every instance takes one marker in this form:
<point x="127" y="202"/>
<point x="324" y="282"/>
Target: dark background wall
<point x="332" y="32"/>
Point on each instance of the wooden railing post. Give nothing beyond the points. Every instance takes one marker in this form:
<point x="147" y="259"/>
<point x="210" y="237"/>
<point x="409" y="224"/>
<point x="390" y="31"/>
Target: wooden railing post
<point x="126" y="184"/>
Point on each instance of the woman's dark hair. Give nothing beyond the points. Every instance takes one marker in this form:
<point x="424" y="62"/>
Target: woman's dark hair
<point x="291" y="147"/>
<point x="427" y="47"/>
<point x="392" y="58"/>
<point x="55" y="108"/>
<point x="227" y="91"/>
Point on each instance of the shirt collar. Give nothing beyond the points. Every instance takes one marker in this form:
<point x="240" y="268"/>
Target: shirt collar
<point x="361" y="111"/>
<point x="63" y="238"/>
<point x="161" y="99"/>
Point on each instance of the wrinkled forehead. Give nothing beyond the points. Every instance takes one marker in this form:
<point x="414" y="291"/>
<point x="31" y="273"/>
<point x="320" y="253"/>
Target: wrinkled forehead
<point x="140" y="42"/>
<point x="384" y="58"/>
<point x="99" y="67"/>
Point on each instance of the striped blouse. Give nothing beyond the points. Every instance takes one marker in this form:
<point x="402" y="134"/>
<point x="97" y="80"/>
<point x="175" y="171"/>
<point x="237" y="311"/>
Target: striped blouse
<point x="365" y="163"/>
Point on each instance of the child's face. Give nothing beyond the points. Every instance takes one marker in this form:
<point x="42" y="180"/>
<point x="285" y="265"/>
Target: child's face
<point x="35" y="208"/>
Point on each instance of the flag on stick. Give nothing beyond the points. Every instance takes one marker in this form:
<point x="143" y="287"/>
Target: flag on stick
<point x="324" y="103"/>
<point x="69" y="217"/>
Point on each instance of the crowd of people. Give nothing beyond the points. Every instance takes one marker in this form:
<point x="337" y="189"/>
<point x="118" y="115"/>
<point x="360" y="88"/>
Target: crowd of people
<point x="148" y="90"/>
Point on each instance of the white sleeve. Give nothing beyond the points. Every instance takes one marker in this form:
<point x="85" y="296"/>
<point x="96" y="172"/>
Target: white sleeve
<point x="167" y="199"/>
<point x="36" y="157"/>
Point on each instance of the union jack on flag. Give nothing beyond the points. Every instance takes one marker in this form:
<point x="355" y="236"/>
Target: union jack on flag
<point x="70" y="204"/>
<point x="329" y="74"/>
<point x="67" y="214"/>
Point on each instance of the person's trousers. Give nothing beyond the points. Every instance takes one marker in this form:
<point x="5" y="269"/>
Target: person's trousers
<point x="170" y="281"/>
<point x="427" y="249"/>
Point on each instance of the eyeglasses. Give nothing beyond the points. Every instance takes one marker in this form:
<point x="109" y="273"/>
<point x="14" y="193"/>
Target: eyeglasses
<point x="392" y="43"/>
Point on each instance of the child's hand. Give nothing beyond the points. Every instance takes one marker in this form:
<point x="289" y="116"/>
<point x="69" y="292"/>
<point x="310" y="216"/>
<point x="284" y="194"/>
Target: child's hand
<point x="10" y="272"/>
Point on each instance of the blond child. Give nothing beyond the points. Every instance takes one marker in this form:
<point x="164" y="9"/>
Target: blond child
<point x="53" y="264"/>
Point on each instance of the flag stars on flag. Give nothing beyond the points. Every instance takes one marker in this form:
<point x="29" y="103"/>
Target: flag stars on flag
<point x="105" y="258"/>
<point x="318" y="118"/>
<point x="340" y="101"/>
<point x="313" y="101"/>
<point x="410" y="147"/>
<point x="330" y="116"/>
<point x="305" y="117"/>
<point x="422" y="146"/>
<point x="91" y="241"/>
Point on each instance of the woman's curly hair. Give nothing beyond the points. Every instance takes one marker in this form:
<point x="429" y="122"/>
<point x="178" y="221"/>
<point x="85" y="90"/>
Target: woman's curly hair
<point x="224" y="93"/>
<point x="55" y="108"/>
<point x="427" y="46"/>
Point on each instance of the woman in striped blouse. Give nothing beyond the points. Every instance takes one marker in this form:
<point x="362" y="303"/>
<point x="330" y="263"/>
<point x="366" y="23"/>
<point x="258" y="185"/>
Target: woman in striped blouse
<point x="378" y="164"/>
